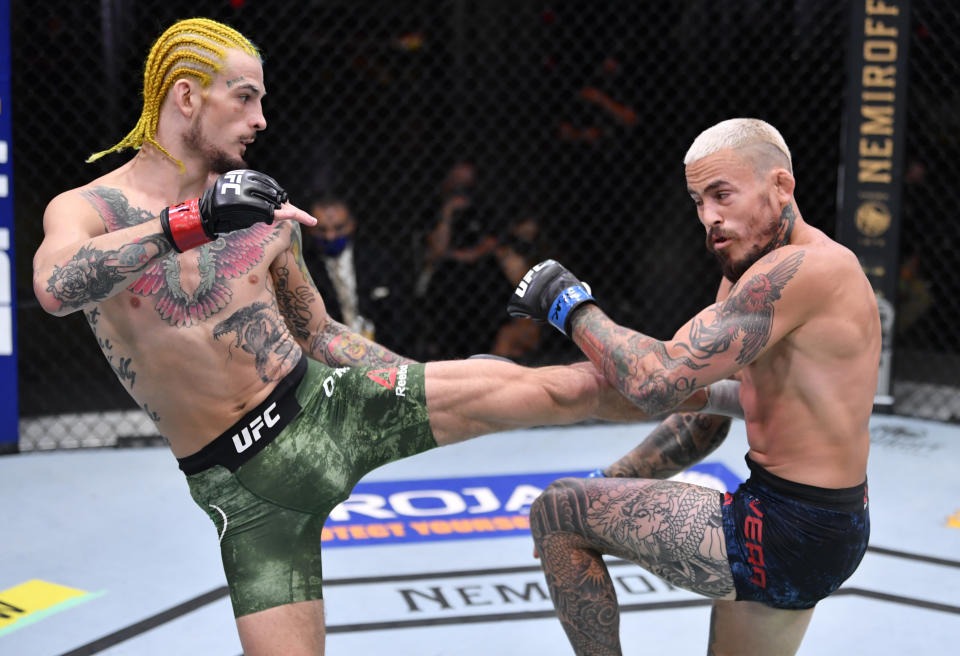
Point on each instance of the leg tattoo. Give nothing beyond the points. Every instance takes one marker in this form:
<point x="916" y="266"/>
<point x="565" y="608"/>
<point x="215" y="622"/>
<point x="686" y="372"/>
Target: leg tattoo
<point x="673" y="530"/>
<point x="576" y="575"/>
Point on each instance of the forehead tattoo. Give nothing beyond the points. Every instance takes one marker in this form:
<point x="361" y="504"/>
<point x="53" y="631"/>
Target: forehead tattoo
<point x="242" y="83"/>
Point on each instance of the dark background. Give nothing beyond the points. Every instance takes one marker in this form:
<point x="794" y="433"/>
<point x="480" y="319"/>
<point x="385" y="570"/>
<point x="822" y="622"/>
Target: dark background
<point x="376" y="100"/>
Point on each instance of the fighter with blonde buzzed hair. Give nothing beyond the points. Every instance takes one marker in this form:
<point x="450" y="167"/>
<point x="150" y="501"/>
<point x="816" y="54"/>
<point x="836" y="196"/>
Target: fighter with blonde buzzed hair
<point x="796" y="322"/>
<point x="189" y="269"/>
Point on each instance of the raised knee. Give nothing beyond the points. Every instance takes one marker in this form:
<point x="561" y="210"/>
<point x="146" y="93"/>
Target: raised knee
<point x="557" y="508"/>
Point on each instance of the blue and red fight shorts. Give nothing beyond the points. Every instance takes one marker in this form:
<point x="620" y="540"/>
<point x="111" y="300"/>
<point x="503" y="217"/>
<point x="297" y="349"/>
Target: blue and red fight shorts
<point x="790" y="545"/>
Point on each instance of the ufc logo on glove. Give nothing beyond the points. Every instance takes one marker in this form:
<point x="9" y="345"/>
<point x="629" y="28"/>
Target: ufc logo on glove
<point x="548" y="292"/>
<point x="234" y="179"/>
<point x="522" y="287"/>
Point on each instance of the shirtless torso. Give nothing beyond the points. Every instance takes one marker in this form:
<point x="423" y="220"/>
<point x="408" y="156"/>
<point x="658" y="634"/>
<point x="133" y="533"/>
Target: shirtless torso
<point x="214" y="309"/>
<point x="199" y="337"/>
<point x="796" y="321"/>
<point x="807" y="399"/>
<point x="799" y="328"/>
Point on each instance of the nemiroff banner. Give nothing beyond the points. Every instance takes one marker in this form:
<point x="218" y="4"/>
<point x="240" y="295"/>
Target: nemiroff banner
<point x="473" y="507"/>
<point x="872" y="159"/>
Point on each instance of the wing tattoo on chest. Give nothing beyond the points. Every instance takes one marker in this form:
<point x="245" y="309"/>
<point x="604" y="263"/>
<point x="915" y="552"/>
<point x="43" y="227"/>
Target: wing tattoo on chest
<point x="748" y="313"/>
<point x="220" y="261"/>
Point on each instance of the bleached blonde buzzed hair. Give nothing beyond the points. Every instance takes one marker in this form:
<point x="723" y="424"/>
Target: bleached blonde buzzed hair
<point x="737" y="134"/>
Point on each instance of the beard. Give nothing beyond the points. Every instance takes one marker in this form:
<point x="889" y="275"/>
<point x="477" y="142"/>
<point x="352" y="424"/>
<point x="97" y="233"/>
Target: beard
<point x="217" y="160"/>
<point x="733" y="269"/>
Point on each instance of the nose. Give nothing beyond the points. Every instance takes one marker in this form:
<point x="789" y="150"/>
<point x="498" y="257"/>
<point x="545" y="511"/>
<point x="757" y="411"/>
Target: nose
<point x="711" y="216"/>
<point x="258" y="121"/>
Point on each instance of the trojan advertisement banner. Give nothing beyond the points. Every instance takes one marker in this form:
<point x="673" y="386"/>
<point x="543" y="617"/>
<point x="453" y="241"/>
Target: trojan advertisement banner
<point x="869" y="197"/>
<point x="441" y="509"/>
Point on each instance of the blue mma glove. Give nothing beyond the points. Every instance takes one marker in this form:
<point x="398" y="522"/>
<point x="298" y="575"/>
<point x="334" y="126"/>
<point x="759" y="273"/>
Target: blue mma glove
<point x="549" y="293"/>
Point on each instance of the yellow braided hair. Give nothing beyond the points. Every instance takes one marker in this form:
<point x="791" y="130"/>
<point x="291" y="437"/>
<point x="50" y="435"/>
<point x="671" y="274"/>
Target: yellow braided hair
<point x="194" y="47"/>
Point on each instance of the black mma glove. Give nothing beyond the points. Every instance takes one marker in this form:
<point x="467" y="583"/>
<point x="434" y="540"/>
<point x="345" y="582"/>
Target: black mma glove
<point x="237" y="200"/>
<point x="548" y="292"/>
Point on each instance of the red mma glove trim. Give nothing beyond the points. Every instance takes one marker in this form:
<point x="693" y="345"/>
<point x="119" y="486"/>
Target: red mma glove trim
<point x="183" y="226"/>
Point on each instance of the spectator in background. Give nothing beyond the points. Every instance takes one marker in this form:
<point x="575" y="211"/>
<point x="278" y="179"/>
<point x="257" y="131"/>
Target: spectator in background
<point x="459" y="234"/>
<point x="596" y="140"/>
<point x="599" y="113"/>
<point x="364" y="286"/>
<point x="460" y="277"/>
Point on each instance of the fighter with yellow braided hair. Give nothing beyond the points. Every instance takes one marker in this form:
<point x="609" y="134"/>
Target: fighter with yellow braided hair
<point x="195" y="47"/>
<point x="189" y="269"/>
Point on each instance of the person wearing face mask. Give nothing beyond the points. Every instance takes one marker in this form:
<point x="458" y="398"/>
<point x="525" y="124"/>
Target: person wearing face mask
<point x="362" y="286"/>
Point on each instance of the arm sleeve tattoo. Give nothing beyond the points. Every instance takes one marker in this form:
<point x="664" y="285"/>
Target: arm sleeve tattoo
<point x="728" y="334"/>
<point x="338" y="346"/>
<point x="93" y="275"/>
<point x="679" y="441"/>
<point x="333" y="343"/>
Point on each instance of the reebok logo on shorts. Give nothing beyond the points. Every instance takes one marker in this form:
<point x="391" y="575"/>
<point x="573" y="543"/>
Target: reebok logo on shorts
<point x="385" y="377"/>
<point x="393" y="379"/>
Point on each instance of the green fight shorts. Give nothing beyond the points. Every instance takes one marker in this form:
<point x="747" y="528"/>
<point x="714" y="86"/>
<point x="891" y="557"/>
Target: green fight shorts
<point x="269" y="481"/>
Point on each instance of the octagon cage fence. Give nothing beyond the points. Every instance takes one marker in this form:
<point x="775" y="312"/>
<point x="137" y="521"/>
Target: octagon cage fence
<point x="545" y="128"/>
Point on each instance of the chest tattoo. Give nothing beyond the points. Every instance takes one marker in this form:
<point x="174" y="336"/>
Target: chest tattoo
<point x="259" y="331"/>
<point x="114" y="208"/>
<point x="218" y="263"/>
<point x="120" y="365"/>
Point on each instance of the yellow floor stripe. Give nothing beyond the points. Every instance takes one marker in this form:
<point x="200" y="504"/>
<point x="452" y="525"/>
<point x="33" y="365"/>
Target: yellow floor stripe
<point x="28" y="602"/>
<point x="953" y="521"/>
